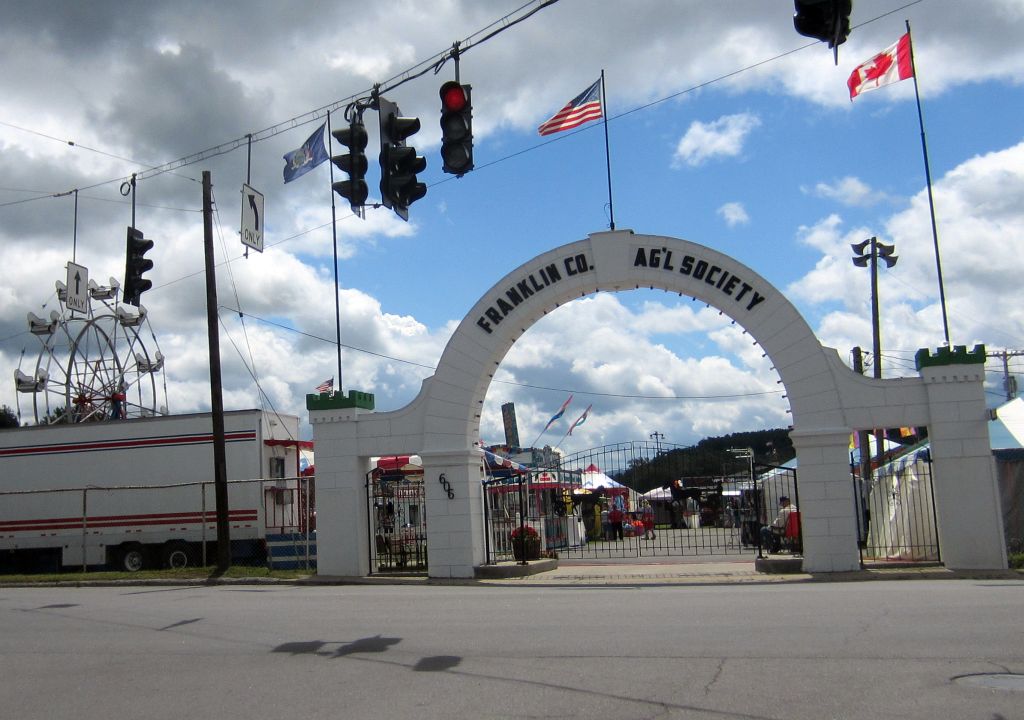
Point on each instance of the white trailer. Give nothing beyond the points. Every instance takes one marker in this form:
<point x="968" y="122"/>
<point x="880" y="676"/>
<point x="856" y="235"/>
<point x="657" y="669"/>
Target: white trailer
<point x="137" y="493"/>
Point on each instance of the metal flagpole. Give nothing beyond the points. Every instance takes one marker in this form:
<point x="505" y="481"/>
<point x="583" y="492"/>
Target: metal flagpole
<point x="928" y="179"/>
<point x="334" y="233"/>
<point x="607" y="153"/>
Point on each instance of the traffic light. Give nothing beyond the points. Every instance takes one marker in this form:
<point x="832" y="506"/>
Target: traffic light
<point x="135" y="265"/>
<point x="825" y="20"/>
<point x="456" y="128"/>
<point x="399" y="163"/>
<point x="353" y="162"/>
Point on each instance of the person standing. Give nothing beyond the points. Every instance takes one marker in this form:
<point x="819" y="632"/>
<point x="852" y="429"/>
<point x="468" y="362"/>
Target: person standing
<point x="615" y="520"/>
<point x="647" y="517"/>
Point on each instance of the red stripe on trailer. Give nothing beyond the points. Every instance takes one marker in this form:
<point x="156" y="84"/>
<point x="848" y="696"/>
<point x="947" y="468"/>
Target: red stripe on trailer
<point x="126" y="444"/>
<point x="125" y="522"/>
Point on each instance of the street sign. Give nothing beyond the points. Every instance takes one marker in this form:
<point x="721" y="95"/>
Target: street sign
<point x="252" y="218"/>
<point x="78" y="288"/>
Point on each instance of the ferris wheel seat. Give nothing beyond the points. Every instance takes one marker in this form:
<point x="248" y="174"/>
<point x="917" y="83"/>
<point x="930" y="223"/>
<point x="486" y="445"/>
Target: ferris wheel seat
<point x="26" y="383"/>
<point x="127" y="319"/>
<point x="103" y="292"/>
<point x="39" y="326"/>
<point x="145" y="365"/>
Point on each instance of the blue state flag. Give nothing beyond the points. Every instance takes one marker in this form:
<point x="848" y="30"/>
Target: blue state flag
<point x="299" y="162"/>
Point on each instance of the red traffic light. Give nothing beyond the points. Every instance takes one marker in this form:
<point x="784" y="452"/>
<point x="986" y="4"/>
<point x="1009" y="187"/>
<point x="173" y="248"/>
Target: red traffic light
<point x="453" y="97"/>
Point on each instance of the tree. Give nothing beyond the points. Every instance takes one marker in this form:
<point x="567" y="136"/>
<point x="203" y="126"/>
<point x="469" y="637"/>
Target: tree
<point x="8" y="419"/>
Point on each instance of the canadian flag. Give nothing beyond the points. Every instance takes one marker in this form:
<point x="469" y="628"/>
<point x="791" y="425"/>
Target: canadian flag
<point x="891" y="65"/>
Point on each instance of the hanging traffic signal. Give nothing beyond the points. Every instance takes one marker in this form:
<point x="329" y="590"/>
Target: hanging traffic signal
<point x="456" y="128"/>
<point x="399" y="163"/>
<point x="825" y="20"/>
<point x="353" y="162"/>
<point x="135" y="265"/>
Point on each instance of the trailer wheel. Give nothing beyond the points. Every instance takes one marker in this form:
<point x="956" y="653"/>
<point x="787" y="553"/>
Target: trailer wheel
<point x="176" y="556"/>
<point x="132" y="558"/>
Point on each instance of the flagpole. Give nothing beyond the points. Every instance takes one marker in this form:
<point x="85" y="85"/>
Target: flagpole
<point x="534" y="444"/>
<point x="334" y="233"/>
<point x="607" y="152"/>
<point x="928" y="179"/>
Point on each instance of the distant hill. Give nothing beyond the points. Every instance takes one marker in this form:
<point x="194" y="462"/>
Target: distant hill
<point x="709" y="458"/>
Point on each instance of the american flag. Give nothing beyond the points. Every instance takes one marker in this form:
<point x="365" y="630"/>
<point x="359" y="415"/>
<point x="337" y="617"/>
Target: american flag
<point x="325" y="386"/>
<point x="581" y="109"/>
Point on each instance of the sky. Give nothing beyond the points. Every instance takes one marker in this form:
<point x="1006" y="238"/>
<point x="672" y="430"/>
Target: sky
<point x="726" y="128"/>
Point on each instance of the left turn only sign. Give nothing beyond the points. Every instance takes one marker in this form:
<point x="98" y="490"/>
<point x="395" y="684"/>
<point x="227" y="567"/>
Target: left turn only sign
<point x="252" y="218"/>
<point x="78" y="288"/>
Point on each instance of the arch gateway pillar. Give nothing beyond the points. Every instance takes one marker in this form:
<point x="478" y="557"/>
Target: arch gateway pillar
<point x="827" y="400"/>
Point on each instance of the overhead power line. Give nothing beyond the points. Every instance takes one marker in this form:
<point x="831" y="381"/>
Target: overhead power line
<point x="332" y="341"/>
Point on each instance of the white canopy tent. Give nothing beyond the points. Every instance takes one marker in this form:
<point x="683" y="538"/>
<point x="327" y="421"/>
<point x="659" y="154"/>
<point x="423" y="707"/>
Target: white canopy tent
<point x="592" y="479"/>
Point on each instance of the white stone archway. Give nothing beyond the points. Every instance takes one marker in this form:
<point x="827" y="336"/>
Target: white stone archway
<point x="827" y="401"/>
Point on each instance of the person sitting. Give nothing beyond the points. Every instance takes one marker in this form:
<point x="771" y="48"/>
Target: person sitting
<point x="771" y="535"/>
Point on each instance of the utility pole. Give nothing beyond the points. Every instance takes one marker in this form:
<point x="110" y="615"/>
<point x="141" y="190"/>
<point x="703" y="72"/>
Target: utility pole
<point x="1009" y="381"/>
<point x="657" y="437"/>
<point x="220" y="475"/>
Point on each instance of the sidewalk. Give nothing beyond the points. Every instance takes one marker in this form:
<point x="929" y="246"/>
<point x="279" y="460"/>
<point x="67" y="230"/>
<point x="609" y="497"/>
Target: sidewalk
<point x="619" y="573"/>
<point x="605" y="573"/>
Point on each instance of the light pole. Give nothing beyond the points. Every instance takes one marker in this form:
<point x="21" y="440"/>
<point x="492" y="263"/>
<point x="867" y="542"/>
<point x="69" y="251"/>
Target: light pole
<point x="755" y="527"/>
<point x="860" y="259"/>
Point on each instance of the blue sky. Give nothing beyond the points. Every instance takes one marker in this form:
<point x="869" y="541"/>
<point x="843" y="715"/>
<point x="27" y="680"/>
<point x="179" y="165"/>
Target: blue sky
<point x="773" y="165"/>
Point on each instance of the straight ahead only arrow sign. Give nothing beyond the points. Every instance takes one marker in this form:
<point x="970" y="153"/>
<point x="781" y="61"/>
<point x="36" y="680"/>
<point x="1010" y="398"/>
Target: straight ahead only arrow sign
<point x="252" y="218"/>
<point x="78" y="288"/>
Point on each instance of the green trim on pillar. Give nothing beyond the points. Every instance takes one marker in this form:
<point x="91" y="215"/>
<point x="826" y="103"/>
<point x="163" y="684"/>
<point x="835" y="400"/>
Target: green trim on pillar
<point x="336" y="401"/>
<point x="959" y="355"/>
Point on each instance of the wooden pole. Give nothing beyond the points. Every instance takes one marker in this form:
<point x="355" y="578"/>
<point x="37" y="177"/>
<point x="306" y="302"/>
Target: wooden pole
<point x="220" y="476"/>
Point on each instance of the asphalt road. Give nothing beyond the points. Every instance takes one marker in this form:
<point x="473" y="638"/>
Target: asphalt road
<point x="785" y="651"/>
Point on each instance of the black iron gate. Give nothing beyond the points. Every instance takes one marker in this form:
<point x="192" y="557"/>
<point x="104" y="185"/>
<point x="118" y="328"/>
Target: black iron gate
<point x="896" y="518"/>
<point x="640" y="499"/>
<point x="396" y="507"/>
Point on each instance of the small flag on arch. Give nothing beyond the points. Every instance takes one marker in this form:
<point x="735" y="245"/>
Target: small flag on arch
<point x="581" y="419"/>
<point x="326" y="386"/>
<point x="891" y="65"/>
<point x="561" y="411"/>
<point x="299" y="162"/>
<point x="581" y="109"/>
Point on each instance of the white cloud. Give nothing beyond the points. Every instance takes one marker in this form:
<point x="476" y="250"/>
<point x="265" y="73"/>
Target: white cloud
<point x="979" y="222"/>
<point x="734" y="214"/>
<point x="848" y="191"/>
<point x="723" y="137"/>
<point x="405" y="285"/>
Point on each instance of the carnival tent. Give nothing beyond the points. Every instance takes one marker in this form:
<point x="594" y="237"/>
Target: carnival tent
<point x="593" y="479"/>
<point x="657" y="495"/>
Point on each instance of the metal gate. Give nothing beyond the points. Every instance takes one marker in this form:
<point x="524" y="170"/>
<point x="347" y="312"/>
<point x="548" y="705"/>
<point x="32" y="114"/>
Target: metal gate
<point x="639" y="500"/>
<point x="396" y="505"/>
<point x="896" y="518"/>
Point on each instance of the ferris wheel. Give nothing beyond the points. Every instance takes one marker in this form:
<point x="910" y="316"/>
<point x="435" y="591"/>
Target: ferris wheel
<point x="94" y="365"/>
